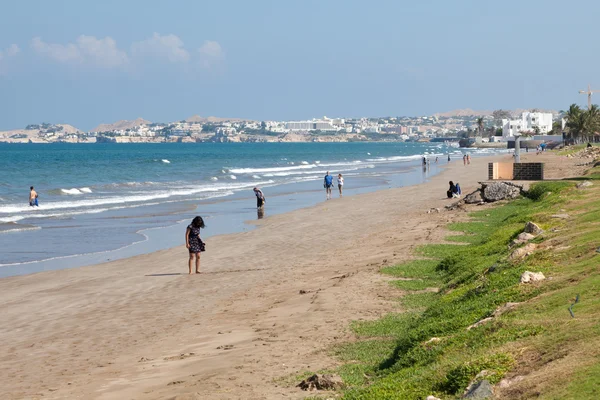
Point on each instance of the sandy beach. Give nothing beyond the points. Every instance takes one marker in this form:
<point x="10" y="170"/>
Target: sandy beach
<point x="268" y="304"/>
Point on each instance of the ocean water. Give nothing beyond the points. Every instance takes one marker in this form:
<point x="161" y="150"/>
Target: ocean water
<point x="102" y="198"/>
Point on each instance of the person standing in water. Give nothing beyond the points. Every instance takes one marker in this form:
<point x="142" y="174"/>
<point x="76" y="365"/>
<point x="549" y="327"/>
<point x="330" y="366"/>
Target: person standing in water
<point x="33" y="197"/>
<point x="260" y="198"/>
<point x="194" y="244"/>
<point x="328" y="185"/>
<point x="340" y="180"/>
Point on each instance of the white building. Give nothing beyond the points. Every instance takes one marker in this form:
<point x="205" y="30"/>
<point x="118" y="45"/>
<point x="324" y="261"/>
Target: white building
<point x="527" y="123"/>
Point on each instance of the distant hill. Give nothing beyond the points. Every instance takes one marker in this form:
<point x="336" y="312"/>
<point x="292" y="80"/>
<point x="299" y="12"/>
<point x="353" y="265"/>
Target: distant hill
<point x="467" y="112"/>
<point x="204" y="120"/>
<point x="121" y="125"/>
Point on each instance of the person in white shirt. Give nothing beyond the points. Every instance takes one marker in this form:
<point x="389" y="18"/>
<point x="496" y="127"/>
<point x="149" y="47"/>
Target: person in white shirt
<point x="340" y="180"/>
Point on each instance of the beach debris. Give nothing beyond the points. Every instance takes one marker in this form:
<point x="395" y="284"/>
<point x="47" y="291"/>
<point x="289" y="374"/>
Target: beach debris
<point x="571" y="308"/>
<point x="321" y="382"/>
<point x="479" y="390"/>
<point x="522" y="252"/>
<point x="479" y="323"/>
<point x="182" y="356"/>
<point x="433" y="210"/>
<point x="225" y="347"/>
<point x="175" y="383"/>
<point x="532" y="277"/>
<point x="302" y="291"/>
<point x="504" y="308"/>
<point x="144" y="359"/>
<point x="584" y="184"/>
<point x="560" y="216"/>
<point x="475" y="197"/>
<point x="496" y="191"/>
<point x="532" y="228"/>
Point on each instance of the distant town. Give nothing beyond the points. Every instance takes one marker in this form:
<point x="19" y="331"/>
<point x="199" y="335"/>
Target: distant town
<point x="495" y="128"/>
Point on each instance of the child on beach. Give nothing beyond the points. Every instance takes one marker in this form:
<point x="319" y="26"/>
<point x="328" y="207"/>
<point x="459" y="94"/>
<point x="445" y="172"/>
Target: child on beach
<point x="260" y="198"/>
<point x="340" y="180"/>
<point x="193" y="242"/>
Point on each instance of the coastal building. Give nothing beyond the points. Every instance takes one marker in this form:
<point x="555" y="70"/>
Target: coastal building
<point x="321" y="125"/>
<point x="529" y="122"/>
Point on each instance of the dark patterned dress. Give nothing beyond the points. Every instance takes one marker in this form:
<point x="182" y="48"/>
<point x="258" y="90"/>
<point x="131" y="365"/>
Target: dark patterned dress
<point x="194" y="239"/>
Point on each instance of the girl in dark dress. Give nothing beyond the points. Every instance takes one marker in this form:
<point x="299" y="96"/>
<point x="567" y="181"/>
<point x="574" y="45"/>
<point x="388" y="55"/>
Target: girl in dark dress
<point x="194" y="243"/>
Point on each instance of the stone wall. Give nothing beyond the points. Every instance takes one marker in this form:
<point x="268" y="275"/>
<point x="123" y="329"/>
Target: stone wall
<point x="520" y="171"/>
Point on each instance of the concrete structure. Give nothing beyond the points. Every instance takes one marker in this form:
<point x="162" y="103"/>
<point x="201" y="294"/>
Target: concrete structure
<point x="516" y="171"/>
<point x="527" y="123"/>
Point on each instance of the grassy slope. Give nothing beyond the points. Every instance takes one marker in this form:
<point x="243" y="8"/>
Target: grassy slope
<point x="396" y="358"/>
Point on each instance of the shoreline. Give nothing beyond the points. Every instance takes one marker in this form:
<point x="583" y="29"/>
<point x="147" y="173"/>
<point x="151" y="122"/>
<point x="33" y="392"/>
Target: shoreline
<point x="141" y="328"/>
<point x="224" y="209"/>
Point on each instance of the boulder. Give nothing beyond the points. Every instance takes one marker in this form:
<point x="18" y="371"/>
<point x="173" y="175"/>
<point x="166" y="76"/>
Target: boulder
<point x="522" y="252"/>
<point x="584" y="184"/>
<point x="479" y="391"/>
<point x="532" y="277"/>
<point x="496" y="191"/>
<point x="474" y="198"/>
<point x="322" y="382"/>
<point x="433" y="398"/>
<point x="532" y="228"/>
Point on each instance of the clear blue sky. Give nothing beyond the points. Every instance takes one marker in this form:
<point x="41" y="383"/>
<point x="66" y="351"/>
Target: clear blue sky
<point x="84" y="62"/>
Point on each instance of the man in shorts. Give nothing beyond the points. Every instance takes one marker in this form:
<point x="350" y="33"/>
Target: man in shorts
<point x="328" y="185"/>
<point x="33" y="197"/>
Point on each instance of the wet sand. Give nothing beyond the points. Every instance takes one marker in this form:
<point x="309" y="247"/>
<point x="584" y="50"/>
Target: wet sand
<point x="268" y="303"/>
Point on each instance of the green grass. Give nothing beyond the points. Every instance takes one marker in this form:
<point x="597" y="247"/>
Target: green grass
<point x="429" y="350"/>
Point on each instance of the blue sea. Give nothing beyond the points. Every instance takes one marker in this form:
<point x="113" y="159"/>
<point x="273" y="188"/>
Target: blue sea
<point x="99" y="202"/>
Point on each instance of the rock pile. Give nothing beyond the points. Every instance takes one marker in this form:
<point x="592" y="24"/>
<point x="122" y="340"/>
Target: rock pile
<point x="592" y="153"/>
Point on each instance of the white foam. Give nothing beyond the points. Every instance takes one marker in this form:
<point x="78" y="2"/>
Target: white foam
<point x="73" y="191"/>
<point x="214" y="178"/>
<point x="256" y="176"/>
<point x="272" y="169"/>
<point x="140" y="198"/>
<point x="85" y="190"/>
<point x="233" y="177"/>
<point x="166" y="161"/>
<point x="304" y="163"/>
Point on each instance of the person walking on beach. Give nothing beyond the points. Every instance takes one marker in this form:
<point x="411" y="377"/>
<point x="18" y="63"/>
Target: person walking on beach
<point x="328" y="185"/>
<point x="468" y="159"/>
<point x="436" y="159"/>
<point x="194" y="244"/>
<point x="260" y="198"/>
<point x="448" y="157"/>
<point x="464" y="159"/>
<point x="33" y="197"/>
<point x="340" y="180"/>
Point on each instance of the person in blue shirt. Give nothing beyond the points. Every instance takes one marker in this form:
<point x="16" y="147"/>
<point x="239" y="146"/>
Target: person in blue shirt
<point x="328" y="185"/>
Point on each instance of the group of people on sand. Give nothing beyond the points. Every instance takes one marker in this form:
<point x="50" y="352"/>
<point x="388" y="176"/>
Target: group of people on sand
<point x="467" y="159"/>
<point x="328" y="185"/>
<point x="194" y="243"/>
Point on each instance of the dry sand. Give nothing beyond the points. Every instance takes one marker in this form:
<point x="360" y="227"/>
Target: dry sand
<point x="141" y="328"/>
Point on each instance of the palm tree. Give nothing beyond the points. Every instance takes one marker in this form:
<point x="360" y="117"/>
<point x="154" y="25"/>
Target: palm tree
<point x="575" y="121"/>
<point x="591" y="121"/>
<point x="480" y="124"/>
